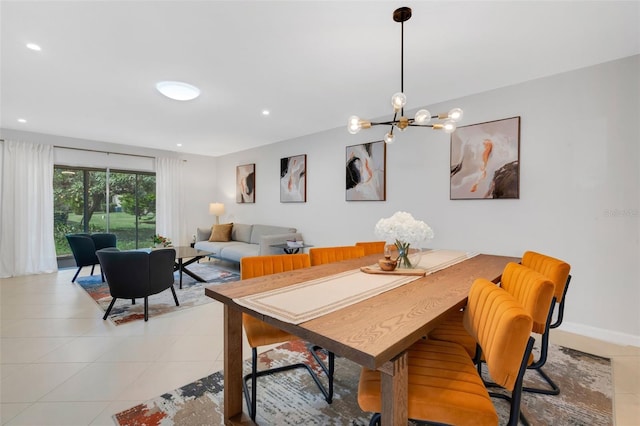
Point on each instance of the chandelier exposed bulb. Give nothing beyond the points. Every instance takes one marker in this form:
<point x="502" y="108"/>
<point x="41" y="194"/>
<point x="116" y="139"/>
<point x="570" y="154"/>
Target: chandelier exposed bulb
<point x="354" y="125"/>
<point x="449" y="126"/>
<point x="398" y="101"/>
<point x="423" y="116"/>
<point x="455" y="114"/>
<point x="389" y="138"/>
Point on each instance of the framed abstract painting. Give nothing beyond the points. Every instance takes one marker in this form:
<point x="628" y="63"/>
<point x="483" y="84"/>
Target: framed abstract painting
<point x="246" y="183"/>
<point x="365" y="172"/>
<point x="485" y="160"/>
<point x="293" y="179"/>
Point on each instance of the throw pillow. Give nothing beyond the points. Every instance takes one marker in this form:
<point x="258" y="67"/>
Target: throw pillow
<point x="221" y="232"/>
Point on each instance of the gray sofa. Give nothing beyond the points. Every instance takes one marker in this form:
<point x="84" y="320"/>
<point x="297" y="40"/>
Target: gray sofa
<point x="246" y="240"/>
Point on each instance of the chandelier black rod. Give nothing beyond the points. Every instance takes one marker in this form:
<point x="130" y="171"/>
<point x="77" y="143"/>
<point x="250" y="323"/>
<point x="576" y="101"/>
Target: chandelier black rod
<point x="402" y="62"/>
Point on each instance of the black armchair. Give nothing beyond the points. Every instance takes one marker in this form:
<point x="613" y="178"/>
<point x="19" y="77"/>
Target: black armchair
<point x="84" y="247"/>
<point x="135" y="274"/>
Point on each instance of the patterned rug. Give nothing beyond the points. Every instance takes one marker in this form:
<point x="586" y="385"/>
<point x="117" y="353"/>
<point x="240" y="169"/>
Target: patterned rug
<point x="191" y="294"/>
<point x="291" y="398"/>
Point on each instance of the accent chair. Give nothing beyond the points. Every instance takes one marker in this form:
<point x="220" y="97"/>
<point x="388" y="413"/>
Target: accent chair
<point x="135" y="274"/>
<point x="84" y="247"/>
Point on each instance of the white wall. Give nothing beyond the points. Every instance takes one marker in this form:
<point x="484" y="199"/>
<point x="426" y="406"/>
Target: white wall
<point x="579" y="188"/>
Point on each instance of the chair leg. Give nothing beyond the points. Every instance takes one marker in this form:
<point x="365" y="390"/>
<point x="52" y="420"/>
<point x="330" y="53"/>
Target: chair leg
<point x="251" y="399"/>
<point x="537" y="365"/>
<point x="146" y="308"/>
<point x="106" y="314"/>
<point x="133" y="301"/>
<point x="555" y="389"/>
<point x="253" y="376"/>
<point x="515" y="399"/>
<point x="375" y="420"/>
<point x="102" y="275"/>
<point x="175" y="297"/>
<point x="92" y="268"/>
<point x="76" y="275"/>
<point x="328" y="370"/>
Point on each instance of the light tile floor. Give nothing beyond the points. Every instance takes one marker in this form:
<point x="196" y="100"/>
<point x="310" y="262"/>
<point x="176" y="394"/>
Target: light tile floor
<point x="61" y="364"/>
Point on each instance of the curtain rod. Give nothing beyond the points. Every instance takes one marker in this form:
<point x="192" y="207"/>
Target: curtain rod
<point x="104" y="152"/>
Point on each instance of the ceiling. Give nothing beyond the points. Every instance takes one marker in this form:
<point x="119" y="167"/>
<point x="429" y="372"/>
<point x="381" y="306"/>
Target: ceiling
<point x="311" y="63"/>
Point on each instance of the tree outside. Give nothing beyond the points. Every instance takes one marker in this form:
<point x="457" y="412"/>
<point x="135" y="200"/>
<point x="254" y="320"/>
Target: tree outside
<point x="80" y="205"/>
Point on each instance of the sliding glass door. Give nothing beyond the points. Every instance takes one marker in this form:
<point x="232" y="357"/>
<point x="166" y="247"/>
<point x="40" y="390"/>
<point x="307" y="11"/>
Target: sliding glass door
<point x="132" y="208"/>
<point x="90" y="200"/>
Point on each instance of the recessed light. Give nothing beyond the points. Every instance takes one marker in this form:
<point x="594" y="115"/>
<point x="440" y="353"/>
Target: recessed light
<point x="179" y="144"/>
<point x="22" y="120"/>
<point x="265" y="112"/>
<point x="177" y="90"/>
<point x="34" y="46"/>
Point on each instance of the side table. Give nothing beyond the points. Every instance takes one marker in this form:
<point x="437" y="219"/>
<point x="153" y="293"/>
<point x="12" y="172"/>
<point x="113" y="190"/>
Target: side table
<point x="290" y="250"/>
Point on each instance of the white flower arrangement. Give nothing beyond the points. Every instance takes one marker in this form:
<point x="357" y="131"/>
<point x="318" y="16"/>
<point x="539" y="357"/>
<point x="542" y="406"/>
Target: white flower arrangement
<point x="403" y="230"/>
<point x="402" y="227"/>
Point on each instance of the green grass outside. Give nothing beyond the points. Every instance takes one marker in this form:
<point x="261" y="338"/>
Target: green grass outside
<point x="120" y="223"/>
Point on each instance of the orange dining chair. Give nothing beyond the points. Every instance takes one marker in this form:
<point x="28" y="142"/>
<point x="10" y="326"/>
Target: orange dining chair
<point x="322" y="255"/>
<point x="558" y="272"/>
<point x="372" y="247"/>
<point x="519" y="281"/>
<point x="260" y="333"/>
<point x="444" y="385"/>
<point x="452" y="329"/>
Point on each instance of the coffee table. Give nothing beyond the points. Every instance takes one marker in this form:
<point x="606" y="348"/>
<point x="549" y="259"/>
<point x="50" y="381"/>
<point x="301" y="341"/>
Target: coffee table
<point x="185" y="252"/>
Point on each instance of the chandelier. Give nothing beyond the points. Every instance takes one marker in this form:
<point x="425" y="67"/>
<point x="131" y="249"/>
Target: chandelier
<point x="422" y="118"/>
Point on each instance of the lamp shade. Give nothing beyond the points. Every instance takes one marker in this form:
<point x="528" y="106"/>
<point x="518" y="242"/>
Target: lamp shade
<point x="216" y="209"/>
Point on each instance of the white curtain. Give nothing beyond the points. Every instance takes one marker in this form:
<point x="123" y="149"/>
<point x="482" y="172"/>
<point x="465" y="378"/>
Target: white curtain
<point x="170" y="218"/>
<point x="26" y="201"/>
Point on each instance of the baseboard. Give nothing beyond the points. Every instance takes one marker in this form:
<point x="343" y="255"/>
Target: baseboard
<point x="601" y="334"/>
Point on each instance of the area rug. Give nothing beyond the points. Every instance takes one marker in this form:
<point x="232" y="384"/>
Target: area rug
<point x="291" y="398"/>
<point x="191" y="294"/>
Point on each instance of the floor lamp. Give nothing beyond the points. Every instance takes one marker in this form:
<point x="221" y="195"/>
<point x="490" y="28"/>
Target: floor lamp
<point x="216" y="209"/>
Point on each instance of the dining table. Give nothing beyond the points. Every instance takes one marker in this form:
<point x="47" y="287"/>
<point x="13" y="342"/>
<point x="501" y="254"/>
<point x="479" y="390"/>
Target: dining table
<point x="375" y="332"/>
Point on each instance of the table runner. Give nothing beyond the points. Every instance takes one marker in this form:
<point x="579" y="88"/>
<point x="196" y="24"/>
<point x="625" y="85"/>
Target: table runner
<point x="311" y="299"/>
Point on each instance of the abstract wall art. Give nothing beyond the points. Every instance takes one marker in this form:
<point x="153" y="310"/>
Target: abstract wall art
<point x="293" y="179"/>
<point x="485" y="160"/>
<point x="246" y="183"/>
<point x="365" y="172"/>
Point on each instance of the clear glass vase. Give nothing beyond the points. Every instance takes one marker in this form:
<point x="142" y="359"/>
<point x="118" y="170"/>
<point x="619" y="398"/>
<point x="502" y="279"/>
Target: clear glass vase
<point x="408" y="257"/>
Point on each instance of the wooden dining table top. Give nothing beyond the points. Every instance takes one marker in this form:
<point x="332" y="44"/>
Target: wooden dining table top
<point x="373" y="331"/>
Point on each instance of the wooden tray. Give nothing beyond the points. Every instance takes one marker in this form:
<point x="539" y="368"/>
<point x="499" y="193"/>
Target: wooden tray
<point x="376" y="270"/>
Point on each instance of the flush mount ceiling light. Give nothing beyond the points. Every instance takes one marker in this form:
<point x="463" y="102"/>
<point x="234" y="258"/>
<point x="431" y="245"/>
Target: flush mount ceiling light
<point x="398" y="101"/>
<point x="177" y="90"/>
<point x="34" y="46"/>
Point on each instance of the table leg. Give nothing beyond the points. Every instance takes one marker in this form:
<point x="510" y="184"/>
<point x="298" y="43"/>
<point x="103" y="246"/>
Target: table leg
<point x="395" y="374"/>
<point x="232" y="365"/>
<point x="183" y="268"/>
